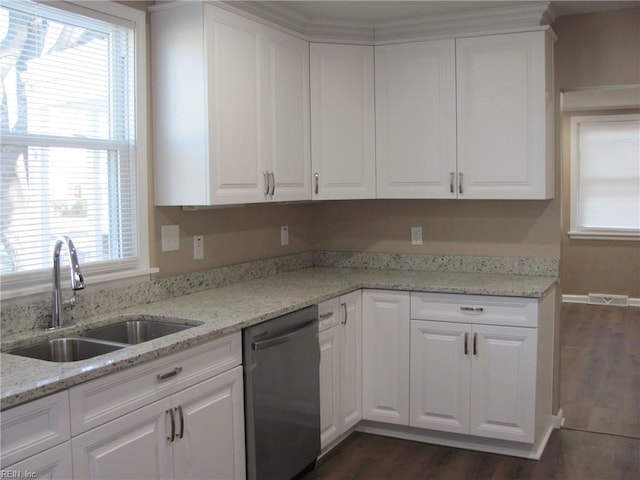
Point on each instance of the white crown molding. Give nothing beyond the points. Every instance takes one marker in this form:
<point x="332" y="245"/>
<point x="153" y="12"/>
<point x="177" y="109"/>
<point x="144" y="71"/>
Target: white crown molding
<point x="512" y="18"/>
<point x="505" y="19"/>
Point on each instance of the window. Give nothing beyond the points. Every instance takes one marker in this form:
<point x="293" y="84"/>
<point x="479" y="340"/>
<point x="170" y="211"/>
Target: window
<point x="605" y="176"/>
<point x="73" y="155"/>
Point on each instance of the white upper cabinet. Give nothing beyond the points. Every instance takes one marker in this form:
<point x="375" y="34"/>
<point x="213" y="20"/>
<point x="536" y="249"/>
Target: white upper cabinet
<point x="468" y="118"/>
<point x="342" y="122"/>
<point x="230" y="109"/>
<point x="505" y="116"/>
<point x="415" y="119"/>
<point x="287" y="117"/>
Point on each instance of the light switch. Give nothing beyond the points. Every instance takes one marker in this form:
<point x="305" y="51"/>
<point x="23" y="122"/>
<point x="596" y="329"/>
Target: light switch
<point x="170" y="237"/>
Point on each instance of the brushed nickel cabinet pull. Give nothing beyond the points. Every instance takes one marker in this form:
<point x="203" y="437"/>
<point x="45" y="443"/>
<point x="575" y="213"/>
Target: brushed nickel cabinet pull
<point x="452" y="175"/>
<point x="172" y="437"/>
<point x="172" y="373"/>
<point x="180" y="414"/>
<point x="324" y="316"/>
<point x="266" y="182"/>
<point x="475" y="344"/>
<point x="460" y="183"/>
<point x="317" y="180"/>
<point x="273" y="183"/>
<point x="346" y="313"/>
<point x="466" y="344"/>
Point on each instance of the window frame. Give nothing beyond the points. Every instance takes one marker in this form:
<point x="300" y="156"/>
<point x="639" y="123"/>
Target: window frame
<point x="30" y="283"/>
<point x="576" y="231"/>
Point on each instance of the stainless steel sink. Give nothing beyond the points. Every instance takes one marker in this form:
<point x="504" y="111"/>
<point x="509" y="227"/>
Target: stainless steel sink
<point x="135" y="331"/>
<point x="66" y="349"/>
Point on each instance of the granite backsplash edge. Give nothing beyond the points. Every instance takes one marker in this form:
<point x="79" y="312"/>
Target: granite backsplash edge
<point x="24" y="316"/>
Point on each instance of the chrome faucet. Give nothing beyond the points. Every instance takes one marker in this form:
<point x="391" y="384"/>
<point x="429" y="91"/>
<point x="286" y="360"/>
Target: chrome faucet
<point x="77" y="281"/>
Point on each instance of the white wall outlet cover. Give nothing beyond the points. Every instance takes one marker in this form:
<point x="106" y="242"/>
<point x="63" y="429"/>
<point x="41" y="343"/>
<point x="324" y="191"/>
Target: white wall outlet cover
<point x="284" y="235"/>
<point x="416" y="235"/>
<point x="170" y="237"/>
<point x="198" y="247"/>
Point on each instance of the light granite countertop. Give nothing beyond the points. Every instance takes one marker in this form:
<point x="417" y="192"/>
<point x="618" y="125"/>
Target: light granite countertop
<point x="228" y="309"/>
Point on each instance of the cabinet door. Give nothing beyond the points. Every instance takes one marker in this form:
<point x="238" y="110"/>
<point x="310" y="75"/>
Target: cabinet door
<point x="351" y="360"/>
<point x="385" y="356"/>
<point x="53" y="464"/>
<point x="501" y="111"/>
<point x="234" y="59"/>
<point x="287" y="121"/>
<point x="440" y="371"/>
<point x="415" y="120"/>
<point x="342" y="122"/>
<point x="329" y="385"/>
<point x="503" y="382"/>
<point x="210" y="428"/>
<point x="33" y="427"/>
<point x="180" y="126"/>
<point x="134" y="446"/>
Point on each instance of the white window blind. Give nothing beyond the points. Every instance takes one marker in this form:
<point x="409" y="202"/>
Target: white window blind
<point x="606" y="176"/>
<point x="68" y="139"/>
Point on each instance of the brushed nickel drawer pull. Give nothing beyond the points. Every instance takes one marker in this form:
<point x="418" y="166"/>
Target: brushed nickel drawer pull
<point x="172" y="373"/>
<point x="324" y="316"/>
<point x="472" y="309"/>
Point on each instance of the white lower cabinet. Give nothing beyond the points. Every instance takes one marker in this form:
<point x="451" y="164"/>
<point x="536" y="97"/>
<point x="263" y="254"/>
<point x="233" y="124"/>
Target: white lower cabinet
<point x="196" y="433"/>
<point x="385" y="356"/>
<point x="473" y="379"/>
<point x="461" y="370"/>
<point x="340" y="340"/>
<point x="179" y="416"/>
<point x="54" y="464"/>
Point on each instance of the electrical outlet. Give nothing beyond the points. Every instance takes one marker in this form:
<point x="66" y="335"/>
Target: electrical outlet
<point x="284" y="235"/>
<point x="170" y="237"/>
<point x="416" y="235"/>
<point x="198" y="247"/>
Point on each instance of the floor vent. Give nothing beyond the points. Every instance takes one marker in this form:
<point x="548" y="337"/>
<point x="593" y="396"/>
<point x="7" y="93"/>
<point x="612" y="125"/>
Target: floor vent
<point x="613" y="300"/>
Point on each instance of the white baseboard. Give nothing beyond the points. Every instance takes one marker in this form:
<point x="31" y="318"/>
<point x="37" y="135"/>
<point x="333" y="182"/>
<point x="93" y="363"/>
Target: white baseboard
<point x="633" y="302"/>
<point x="468" y="442"/>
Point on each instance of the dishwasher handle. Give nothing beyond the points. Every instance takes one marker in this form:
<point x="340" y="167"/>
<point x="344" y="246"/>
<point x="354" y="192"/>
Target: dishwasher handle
<point x="287" y="337"/>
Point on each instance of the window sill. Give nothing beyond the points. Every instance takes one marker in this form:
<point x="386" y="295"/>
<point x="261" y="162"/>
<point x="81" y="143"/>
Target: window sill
<point x="609" y="236"/>
<point x="115" y="278"/>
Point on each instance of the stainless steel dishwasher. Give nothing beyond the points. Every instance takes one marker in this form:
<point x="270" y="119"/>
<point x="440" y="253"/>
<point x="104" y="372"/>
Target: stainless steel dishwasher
<point x="282" y="395"/>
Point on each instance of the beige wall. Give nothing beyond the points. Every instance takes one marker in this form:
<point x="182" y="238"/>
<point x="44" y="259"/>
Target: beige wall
<point x="454" y="227"/>
<point x="596" y="50"/>
<point x="231" y="235"/>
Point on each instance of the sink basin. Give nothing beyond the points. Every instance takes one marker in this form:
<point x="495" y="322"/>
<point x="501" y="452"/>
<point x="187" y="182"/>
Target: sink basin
<point x="135" y="331"/>
<point x="66" y="349"/>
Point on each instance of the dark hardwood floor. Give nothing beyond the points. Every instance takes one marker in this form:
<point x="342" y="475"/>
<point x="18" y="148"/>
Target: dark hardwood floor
<point x="600" y="368"/>
<point x="599" y="390"/>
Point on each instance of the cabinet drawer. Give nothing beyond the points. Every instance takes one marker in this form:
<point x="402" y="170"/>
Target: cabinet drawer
<point x="33" y="427"/>
<point x="480" y="309"/>
<point x="96" y="402"/>
<point x="328" y="313"/>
